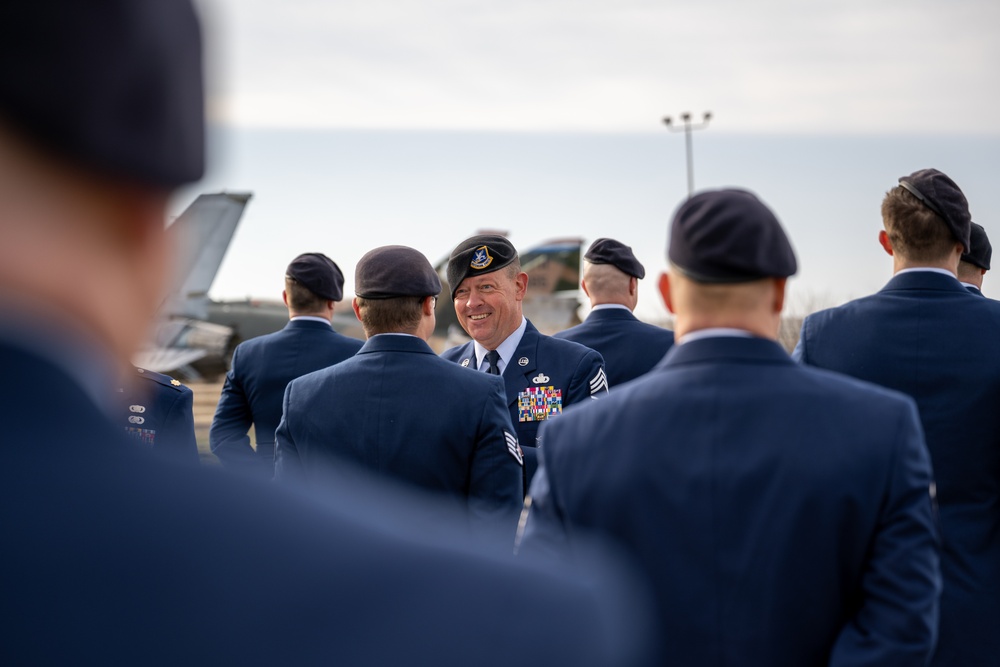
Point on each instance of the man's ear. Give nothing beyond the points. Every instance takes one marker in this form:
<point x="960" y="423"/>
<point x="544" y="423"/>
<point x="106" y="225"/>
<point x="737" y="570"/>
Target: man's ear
<point x="664" y="285"/>
<point x="583" y="284"/>
<point x="633" y="286"/>
<point x="779" y="294"/>
<point x="520" y="285"/>
<point x="428" y="305"/>
<point x="883" y="239"/>
<point x="284" y="296"/>
<point x="357" y="310"/>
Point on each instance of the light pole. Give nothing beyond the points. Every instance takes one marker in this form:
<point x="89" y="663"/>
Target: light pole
<point x="688" y="127"/>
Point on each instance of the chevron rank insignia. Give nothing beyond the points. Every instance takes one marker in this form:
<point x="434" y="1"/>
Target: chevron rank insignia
<point x="514" y="448"/>
<point x="536" y="404"/>
<point x="599" y="383"/>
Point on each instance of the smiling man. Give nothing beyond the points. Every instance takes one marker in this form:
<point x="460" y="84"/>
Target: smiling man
<point x="542" y="375"/>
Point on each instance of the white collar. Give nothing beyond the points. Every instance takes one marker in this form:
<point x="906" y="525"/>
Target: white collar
<point x="506" y="348"/>
<point x="933" y="269"/>
<point x="714" y="332"/>
<point x="609" y="306"/>
<point x="311" y="318"/>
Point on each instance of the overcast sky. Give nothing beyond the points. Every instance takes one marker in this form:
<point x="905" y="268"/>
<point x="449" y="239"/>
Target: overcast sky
<point x="883" y="66"/>
<point x="362" y="123"/>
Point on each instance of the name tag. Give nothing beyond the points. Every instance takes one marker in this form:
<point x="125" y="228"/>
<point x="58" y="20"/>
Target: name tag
<point x="536" y="404"/>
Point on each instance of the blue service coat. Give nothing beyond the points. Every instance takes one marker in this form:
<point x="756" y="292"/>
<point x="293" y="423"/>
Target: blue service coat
<point x="398" y="409"/>
<point x="925" y="335"/>
<point x="112" y="557"/>
<point x="157" y="411"/>
<point x="542" y="366"/>
<point x="629" y="346"/>
<point x="261" y="369"/>
<point x="781" y="513"/>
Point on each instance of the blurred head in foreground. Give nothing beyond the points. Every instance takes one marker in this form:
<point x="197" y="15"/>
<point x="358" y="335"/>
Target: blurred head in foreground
<point x="101" y="118"/>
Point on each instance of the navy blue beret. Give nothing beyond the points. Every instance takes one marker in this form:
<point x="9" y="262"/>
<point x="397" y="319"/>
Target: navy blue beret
<point x="478" y="255"/>
<point x="616" y="253"/>
<point x="319" y="274"/>
<point x="941" y="195"/>
<point x="980" y="250"/>
<point x="729" y="236"/>
<point x="395" y="270"/>
<point x="111" y="85"/>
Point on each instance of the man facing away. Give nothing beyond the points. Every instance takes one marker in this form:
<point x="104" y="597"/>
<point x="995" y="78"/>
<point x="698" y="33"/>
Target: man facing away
<point x="262" y="367"/>
<point x="974" y="264"/>
<point x="630" y="347"/>
<point x="925" y="335"/>
<point x="542" y="375"/>
<point x="113" y="557"/>
<point x="782" y="514"/>
<point x="397" y="408"/>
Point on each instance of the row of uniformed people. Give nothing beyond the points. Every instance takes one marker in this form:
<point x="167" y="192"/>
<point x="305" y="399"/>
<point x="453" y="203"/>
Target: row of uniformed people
<point x="751" y="435"/>
<point x="782" y="514"/>
<point x="393" y="409"/>
<point x="114" y="557"/>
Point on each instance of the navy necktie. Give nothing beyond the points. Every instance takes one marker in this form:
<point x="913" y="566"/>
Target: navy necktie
<point x="494" y="358"/>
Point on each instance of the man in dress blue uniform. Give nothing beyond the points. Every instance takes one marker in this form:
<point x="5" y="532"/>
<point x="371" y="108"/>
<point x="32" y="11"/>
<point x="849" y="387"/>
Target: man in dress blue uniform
<point x="262" y="367"/>
<point x="113" y="557"/>
<point x="611" y="278"/>
<point x="398" y="408"/>
<point x="782" y="513"/>
<point x="158" y="413"/>
<point x="926" y="335"/>
<point x="542" y="375"/>
<point x="974" y="264"/>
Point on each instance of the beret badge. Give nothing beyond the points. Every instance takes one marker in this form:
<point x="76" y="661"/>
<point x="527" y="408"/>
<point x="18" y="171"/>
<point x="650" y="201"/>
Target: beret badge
<point x="481" y="258"/>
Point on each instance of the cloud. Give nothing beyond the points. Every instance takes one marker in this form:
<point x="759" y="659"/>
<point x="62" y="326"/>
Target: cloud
<point x="589" y="65"/>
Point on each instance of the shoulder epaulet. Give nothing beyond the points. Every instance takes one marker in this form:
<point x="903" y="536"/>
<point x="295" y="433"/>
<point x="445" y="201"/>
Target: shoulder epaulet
<point x="160" y="378"/>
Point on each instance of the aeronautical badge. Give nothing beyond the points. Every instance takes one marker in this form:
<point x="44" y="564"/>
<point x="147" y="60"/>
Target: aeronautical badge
<point x="599" y="383"/>
<point x="481" y="258"/>
<point x="514" y="448"/>
<point x="541" y="378"/>
<point x="133" y="419"/>
<point x="465" y="363"/>
<point x="137" y="408"/>
<point x="536" y="404"/>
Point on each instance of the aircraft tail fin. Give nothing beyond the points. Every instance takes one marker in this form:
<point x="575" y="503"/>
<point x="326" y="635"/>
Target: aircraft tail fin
<point x="201" y="236"/>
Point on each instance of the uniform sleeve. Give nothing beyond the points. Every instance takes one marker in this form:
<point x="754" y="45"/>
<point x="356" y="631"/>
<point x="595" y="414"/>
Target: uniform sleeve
<point x="178" y="436"/>
<point x="287" y="464"/>
<point x="232" y="421"/>
<point x="589" y="380"/>
<point x="496" y="487"/>
<point x="799" y="353"/>
<point x="542" y="530"/>
<point x="896" y="623"/>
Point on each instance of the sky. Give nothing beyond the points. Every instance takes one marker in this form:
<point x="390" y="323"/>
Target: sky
<point x="359" y="124"/>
